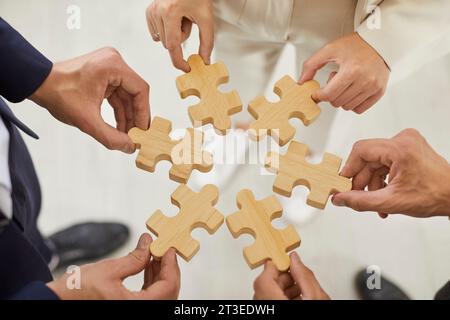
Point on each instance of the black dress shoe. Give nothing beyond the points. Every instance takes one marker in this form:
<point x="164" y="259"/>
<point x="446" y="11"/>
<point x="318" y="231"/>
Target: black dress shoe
<point x="86" y="241"/>
<point x="387" y="291"/>
<point x="443" y="293"/>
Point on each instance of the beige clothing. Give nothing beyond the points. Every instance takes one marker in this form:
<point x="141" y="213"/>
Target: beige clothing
<point x="251" y="34"/>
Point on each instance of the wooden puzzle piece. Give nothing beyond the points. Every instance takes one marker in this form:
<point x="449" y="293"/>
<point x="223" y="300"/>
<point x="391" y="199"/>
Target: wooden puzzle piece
<point x="202" y="81"/>
<point x="155" y="145"/>
<point x="255" y="218"/>
<point x="321" y="179"/>
<point x="273" y="118"/>
<point x="196" y="210"/>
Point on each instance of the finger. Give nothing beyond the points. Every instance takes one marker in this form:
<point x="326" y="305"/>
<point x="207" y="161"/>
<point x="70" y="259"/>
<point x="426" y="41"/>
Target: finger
<point x="378" y="180"/>
<point x="151" y="25"/>
<point x="362" y="179"/>
<point x="266" y="286"/>
<point x="304" y="277"/>
<point x="168" y="284"/>
<point x="159" y="24"/>
<point x="186" y="29"/>
<point x="348" y="95"/>
<point x="156" y="268"/>
<point x="172" y="27"/>
<point x="334" y="88"/>
<point x="107" y="135"/>
<point x="119" y="112"/>
<point x="126" y="101"/>
<point x="135" y="261"/>
<point x="135" y="92"/>
<point x="314" y="63"/>
<point x="292" y="292"/>
<point x="169" y="268"/>
<point x="206" y="29"/>
<point x="364" y="151"/>
<point x="148" y="276"/>
<point x="358" y="99"/>
<point x="364" y="200"/>
<point x="285" y="281"/>
<point x="368" y="103"/>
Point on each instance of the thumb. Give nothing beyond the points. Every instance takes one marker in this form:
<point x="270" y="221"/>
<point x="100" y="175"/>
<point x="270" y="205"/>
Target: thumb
<point x="110" y="137"/>
<point x="315" y="63"/>
<point x="136" y="260"/>
<point x="303" y="276"/>
<point x="363" y="200"/>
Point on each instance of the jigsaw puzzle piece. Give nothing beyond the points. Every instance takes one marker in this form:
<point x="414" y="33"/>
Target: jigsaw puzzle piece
<point x="188" y="155"/>
<point x="154" y="144"/>
<point x="215" y="107"/>
<point x="255" y="218"/>
<point x="321" y="179"/>
<point x="196" y="210"/>
<point x="273" y="118"/>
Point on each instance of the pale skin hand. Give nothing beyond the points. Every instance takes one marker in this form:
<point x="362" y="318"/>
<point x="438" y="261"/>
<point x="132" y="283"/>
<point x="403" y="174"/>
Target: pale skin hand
<point x="297" y="284"/>
<point x="103" y="280"/>
<point x="75" y="89"/>
<point x="361" y="79"/>
<point x="170" y="21"/>
<point x="418" y="182"/>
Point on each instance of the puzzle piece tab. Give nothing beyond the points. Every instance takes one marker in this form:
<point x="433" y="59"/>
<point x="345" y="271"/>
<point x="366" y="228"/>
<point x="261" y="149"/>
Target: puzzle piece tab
<point x="155" y="145"/>
<point x="196" y="210"/>
<point x="273" y="118"/>
<point x="321" y="179"/>
<point x="254" y="217"/>
<point x="202" y="81"/>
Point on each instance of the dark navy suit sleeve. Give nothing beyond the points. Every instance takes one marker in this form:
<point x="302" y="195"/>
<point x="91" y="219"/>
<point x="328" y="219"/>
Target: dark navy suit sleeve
<point x="22" y="67"/>
<point x="36" y="290"/>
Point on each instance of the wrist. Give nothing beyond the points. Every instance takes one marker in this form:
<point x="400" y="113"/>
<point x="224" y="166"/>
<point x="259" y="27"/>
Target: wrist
<point x="60" y="289"/>
<point x="48" y="91"/>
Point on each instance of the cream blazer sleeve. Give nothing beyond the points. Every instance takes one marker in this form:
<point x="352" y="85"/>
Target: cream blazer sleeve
<point x="406" y="33"/>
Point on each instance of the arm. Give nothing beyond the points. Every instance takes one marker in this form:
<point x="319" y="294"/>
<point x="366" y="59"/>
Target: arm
<point x="410" y="32"/>
<point x="297" y="284"/>
<point x="73" y="90"/>
<point x="22" y="67"/>
<point x="104" y="279"/>
<point x="418" y="178"/>
<point x="170" y="21"/>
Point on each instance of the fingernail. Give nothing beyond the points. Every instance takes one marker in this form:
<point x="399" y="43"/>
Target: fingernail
<point x="144" y="242"/>
<point x="294" y="255"/>
<point x="129" y="148"/>
<point x="338" y="202"/>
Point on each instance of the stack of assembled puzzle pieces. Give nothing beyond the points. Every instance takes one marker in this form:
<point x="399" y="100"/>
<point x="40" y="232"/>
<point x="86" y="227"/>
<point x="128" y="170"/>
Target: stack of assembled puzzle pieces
<point x="254" y="216"/>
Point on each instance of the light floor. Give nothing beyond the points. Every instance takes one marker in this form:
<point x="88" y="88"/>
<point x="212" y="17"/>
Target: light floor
<point x="83" y="181"/>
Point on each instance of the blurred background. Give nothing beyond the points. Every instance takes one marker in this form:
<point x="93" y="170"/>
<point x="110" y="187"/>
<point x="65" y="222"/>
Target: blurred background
<point x="81" y="180"/>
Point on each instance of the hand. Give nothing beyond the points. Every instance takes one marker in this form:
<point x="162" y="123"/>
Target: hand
<point x="297" y="284"/>
<point x="362" y="77"/>
<point x="170" y="21"/>
<point x="75" y="89"/>
<point x="103" y="280"/>
<point x="418" y="183"/>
